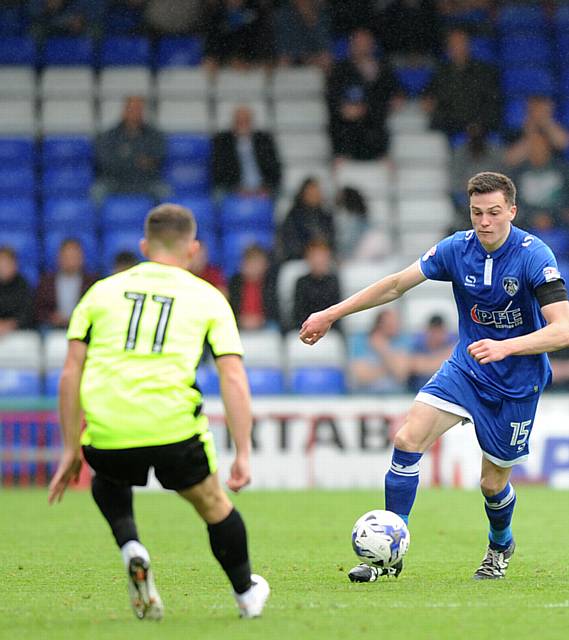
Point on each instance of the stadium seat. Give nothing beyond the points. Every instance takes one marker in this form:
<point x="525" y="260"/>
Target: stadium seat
<point x="265" y="381"/>
<point x="69" y="215"/>
<point x="87" y="238"/>
<point x="225" y="110"/>
<point x="373" y="179"/>
<point x="528" y="80"/>
<point x="68" y="51"/>
<point x="195" y="147"/>
<point x="67" y="180"/>
<point x="425" y="213"/>
<point x="186" y="177"/>
<point x="414" y="79"/>
<point x="204" y="210"/>
<point x="518" y="17"/>
<point x="557" y="239"/>
<point x="234" y="244"/>
<point x="16" y="180"/>
<point x="26" y="245"/>
<point x="409" y="118"/>
<point x="119" y="240"/>
<point x="51" y="382"/>
<point x="483" y="49"/>
<point x="17" y="151"/>
<point x="17" y="383"/>
<point x="19" y="213"/>
<point x="247" y="213"/>
<point x="179" y="51"/>
<point x="330" y="352"/>
<point x="13" y="19"/>
<point x="207" y="380"/>
<point x="417" y="309"/>
<point x="110" y="113"/>
<point x="68" y="116"/>
<point x="176" y="82"/>
<point x="17" y="117"/>
<point x="183" y="116"/>
<point x="304" y="147"/>
<point x="300" y="115"/>
<point x="70" y="82"/>
<point x="430" y="147"/>
<point x="298" y="82"/>
<point x="124" y="212"/>
<point x="125" y="51"/>
<point x="380" y="214"/>
<point x="119" y="83"/>
<point x="525" y="49"/>
<point x="21" y="350"/>
<point x="18" y="50"/>
<point x="356" y="275"/>
<point x="321" y="381"/>
<point x="238" y="85"/>
<point x="515" y="113"/>
<point x="61" y="150"/>
<point x="55" y="350"/>
<point x="263" y="348"/>
<point x="423" y="180"/>
<point x="17" y="82"/>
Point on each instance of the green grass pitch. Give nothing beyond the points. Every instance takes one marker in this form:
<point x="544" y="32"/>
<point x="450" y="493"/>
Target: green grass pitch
<point x="62" y="578"/>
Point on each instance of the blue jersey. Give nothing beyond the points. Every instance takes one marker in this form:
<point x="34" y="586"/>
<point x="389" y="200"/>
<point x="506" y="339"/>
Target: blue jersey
<point x="495" y="298"/>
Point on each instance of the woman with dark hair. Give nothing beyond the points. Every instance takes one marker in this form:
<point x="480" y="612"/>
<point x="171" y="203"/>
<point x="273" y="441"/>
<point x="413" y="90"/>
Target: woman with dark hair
<point x="308" y="220"/>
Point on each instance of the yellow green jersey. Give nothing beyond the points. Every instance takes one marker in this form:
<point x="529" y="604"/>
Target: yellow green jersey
<point x="145" y="329"/>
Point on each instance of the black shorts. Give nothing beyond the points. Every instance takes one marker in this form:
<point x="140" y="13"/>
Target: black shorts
<point x="177" y="466"/>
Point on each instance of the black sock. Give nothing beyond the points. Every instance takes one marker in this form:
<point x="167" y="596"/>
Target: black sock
<point x="115" y="503"/>
<point x="228" y="540"/>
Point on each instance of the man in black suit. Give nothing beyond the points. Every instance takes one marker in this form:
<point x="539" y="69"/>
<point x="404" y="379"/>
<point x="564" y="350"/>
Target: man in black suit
<point x="245" y="160"/>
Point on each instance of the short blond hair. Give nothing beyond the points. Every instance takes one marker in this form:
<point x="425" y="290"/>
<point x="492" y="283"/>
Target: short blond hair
<point x="168" y="223"/>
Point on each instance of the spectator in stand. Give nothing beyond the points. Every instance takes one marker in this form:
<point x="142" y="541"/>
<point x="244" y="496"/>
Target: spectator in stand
<point x="428" y="351"/>
<point x="201" y="267"/>
<point x="410" y="27"/>
<point x="543" y="182"/>
<point x="360" y="92"/>
<point x="380" y="360"/>
<point x="302" y="33"/>
<point x="238" y="33"/>
<point x="65" y="17"/>
<point x="173" y="17"/>
<point x="320" y="287"/>
<point x="253" y="291"/>
<point x="59" y="292"/>
<point x="540" y="118"/>
<point x="477" y="154"/>
<point x="15" y="295"/>
<point x="129" y="156"/>
<point x="245" y="160"/>
<point x="124" y="260"/>
<point x="356" y="238"/>
<point x="463" y="90"/>
<point x="307" y="220"/>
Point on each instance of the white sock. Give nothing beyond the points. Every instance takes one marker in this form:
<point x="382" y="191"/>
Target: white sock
<point x="134" y="549"/>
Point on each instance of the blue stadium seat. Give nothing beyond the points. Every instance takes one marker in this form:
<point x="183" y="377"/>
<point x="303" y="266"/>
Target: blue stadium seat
<point x="27" y="248"/>
<point x="13" y="21"/>
<point x="125" y="50"/>
<point x="122" y="19"/>
<point x="561" y="18"/>
<point x="52" y="382"/>
<point x="524" y="81"/>
<point x="19" y="383"/>
<point x="515" y="113"/>
<point x="564" y="111"/>
<point x="65" y="150"/>
<point x="564" y="84"/>
<point x="203" y="209"/>
<point x="235" y="243"/>
<point x="187" y="178"/>
<point x="207" y="380"/>
<point x="16" y="180"/>
<point x="521" y="49"/>
<point x="70" y="180"/>
<point x="18" y="50"/>
<point x="188" y="146"/>
<point x="17" y="150"/>
<point x="64" y="50"/>
<point x="180" y="51"/>
<point x="265" y="381"/>
<point x="340" y="48"/>
<point x="557" y="239"/>
<point x="19" y="213"/>
<point x="413" y="80"/>
<point x="125" y="212"/>
<point x="247" y="213"/>
<point x="70" y="215"/>
<point x="517" y="17"/>
<point x="483" y="49"/>
<point x="119" y="240"/>
<point x="318" y="381"/>
<point x="88" y="240"/>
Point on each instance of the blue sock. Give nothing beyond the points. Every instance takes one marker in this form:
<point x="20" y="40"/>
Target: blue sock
<point x="500" y="509"/>
<point x="401" y="482"/>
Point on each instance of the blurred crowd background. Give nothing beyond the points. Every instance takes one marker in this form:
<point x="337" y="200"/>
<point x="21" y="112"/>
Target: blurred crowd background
<point x="321" y="145"/>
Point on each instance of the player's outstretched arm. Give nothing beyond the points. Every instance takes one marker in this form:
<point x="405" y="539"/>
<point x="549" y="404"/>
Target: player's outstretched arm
<point x="70" y="420"/>
<point x="385" y="290"/>
<point x="552" y="337"/>
<point x="237" y="402"/>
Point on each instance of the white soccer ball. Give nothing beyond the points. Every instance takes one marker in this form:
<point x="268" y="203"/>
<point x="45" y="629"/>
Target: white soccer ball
<point x="380" y="538"/>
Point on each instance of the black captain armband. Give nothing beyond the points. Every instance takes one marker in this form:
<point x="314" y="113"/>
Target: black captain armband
<point x="551" y="292"/>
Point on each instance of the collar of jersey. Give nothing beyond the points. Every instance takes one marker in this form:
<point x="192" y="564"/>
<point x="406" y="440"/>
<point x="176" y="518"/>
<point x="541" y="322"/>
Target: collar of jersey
<point x="496" y="254"/>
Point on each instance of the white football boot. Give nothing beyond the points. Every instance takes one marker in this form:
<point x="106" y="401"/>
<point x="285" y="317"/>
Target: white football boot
<point x="144" y="597"/>
<point x="252" y="602"/>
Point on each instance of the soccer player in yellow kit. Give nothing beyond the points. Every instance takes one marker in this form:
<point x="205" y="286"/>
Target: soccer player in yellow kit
<point x="135" y="341"/>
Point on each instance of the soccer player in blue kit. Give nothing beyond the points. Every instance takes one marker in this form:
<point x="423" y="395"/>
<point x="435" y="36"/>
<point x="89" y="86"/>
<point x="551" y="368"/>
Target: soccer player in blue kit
<point x="513" y="309"/>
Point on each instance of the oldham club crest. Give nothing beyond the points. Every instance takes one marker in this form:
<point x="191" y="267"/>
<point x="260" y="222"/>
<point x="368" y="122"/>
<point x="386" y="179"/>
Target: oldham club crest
<point x="511" y="285"/>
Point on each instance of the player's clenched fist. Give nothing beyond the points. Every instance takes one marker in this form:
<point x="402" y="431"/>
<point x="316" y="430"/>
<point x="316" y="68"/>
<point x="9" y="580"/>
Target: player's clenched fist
<point x="314" y="327"/>
<point x="487" y="350"/>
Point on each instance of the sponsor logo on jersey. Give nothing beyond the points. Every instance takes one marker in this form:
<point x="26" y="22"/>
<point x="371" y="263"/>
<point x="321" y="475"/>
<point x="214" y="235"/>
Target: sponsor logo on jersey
<point x="469" y="234"/>
<point x="527" y="241"/>
<point x="430" y="253"/>
<point x="502" y="319"/>
<point x="511" y="285"/>
<point x="469" y="281"/>
<point x="550" y="274"/>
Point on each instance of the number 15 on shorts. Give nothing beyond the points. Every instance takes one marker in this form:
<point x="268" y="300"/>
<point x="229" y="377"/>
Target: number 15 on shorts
<point x="520" y="433"/>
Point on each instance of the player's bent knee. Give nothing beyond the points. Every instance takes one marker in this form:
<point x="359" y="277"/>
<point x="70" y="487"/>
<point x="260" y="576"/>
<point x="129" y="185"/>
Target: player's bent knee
<point x="405" y="441"/>
<point x="491" y="485"/>
<point x="209" y="500"/>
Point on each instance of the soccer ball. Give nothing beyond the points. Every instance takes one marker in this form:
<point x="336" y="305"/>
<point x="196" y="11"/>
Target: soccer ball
<point x="380" y="538"/>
